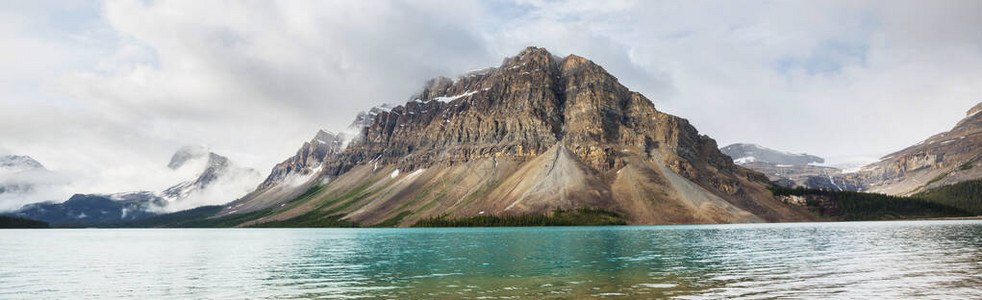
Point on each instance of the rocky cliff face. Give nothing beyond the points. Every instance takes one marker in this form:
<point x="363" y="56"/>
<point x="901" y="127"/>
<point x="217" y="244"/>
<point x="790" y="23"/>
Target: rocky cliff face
<point x="366" y="118"/>
<point x="943" y="159"/>
<point x="531" y="103"/>
<point x="537" y="133"/>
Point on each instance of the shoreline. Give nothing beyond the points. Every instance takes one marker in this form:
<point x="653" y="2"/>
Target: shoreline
<point x="949" y="218"/>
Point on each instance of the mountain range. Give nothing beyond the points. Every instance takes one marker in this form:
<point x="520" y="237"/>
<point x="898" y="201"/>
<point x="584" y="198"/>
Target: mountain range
<point x="213" y="172"/>
<point x="944" y="159"/>
<point x="538" y="135"/>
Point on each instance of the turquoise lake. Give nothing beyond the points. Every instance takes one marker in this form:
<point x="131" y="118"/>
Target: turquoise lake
<point x="871" y="260"/>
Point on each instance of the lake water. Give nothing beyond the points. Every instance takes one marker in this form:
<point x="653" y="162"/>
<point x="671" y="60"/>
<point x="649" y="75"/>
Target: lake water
<point x="923" y="259"/>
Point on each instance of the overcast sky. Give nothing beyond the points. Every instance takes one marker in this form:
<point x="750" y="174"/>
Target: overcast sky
<point x="107" y="91"/>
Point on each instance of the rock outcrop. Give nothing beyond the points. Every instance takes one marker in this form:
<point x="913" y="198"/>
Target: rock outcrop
<point x="536" y="134"/>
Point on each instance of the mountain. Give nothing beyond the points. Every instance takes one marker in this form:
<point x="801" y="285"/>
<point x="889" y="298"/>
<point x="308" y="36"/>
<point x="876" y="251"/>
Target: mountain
<point x="86" y="210"/>
<point x="12" y="170"/>
<point x="296" y="174"/>
<point x="25" y="180"/>
<point x="19" y="163"/>
<point x="788" y="169"/>
<point x="748" y="153"/>
<point x="943" y="159"/>
<point x="309" y="157"/>
<point x="214" y="173"/>
<point x="537" y="134"/>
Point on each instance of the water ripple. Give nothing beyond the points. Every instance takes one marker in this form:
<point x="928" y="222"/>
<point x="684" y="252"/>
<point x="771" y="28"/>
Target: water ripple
<point x="929" y="260"/>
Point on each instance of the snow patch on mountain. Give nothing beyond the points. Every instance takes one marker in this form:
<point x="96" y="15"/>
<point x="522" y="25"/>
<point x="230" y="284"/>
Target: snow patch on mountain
<point x="448" y="99"/>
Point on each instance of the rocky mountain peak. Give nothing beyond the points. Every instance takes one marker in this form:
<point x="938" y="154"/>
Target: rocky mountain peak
<point x="308" y="158"/>
<point x="533" y="57"/>
<point x="574" y="60"/>
<point x="215" y="166"/>
<point x="22" y="178"/>
<point x="325" y="137"/>
<point x="185" y="154"/>
<point x="974" y="110"/>
<point x="533" y="101"/>
<point x="435" y="87"/>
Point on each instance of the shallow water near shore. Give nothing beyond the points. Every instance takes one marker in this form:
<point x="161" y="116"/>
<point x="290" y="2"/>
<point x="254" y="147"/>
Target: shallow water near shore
<point x="912" y="259"/>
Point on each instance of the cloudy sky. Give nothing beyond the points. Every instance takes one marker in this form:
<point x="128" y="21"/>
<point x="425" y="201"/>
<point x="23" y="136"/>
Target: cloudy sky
<point x="106" y="91"/>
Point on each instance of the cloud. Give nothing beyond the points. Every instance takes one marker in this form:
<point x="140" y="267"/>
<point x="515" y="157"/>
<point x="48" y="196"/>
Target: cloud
<point x="105" y="92"/>
<point x="837" y="78"/>
<point x="20" y="187"/>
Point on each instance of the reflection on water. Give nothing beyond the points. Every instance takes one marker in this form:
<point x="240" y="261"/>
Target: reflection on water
<point x="928" y="259"/>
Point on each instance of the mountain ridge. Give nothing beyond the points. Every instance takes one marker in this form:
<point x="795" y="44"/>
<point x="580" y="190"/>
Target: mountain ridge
<point x="746" y="153"/>
<point x="98" y="209"/>
<point x="943" y="159"/>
